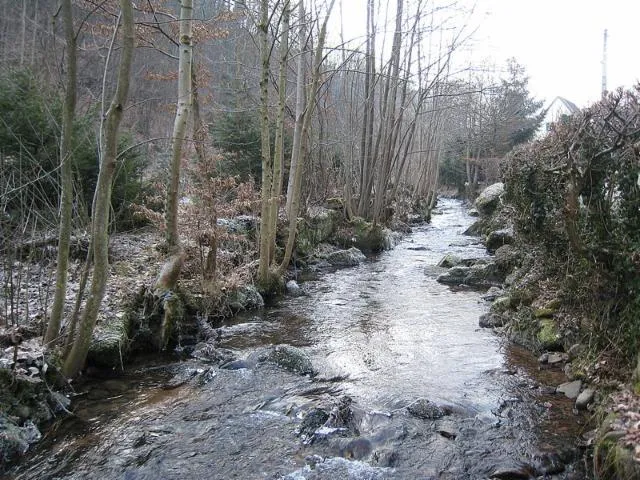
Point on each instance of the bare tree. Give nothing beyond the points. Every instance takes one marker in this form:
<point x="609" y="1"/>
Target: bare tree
<point x="102" y="199"/>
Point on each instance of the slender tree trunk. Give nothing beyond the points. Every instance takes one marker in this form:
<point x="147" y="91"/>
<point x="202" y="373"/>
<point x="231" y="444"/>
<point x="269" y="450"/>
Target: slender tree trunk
<point x="102" y="200"/>
<point x="66" y="174"/>
<point x="311" y="101"/>
<point x="267" y="161"/>
<point x="180" y="122"/>
<point x="200" y="139"/>
<point x="278" y="155"/>
<point x="23" y="40"/>
<point x="300" y="105"/>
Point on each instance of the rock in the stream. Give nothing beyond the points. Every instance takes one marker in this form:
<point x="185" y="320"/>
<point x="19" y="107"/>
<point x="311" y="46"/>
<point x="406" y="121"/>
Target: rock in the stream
<point x="489" y="199"/>
<point x="585" y="398"/>
<point x="515" y="471"/>
<point x="15" y="440"/>
<point x="482" y="275"/>
<point x="449" y="260"/>
<point x="491" y="320"/>
<point x="294" y="289"/>
<point x="570" y="389"/>
<point x="492" y="294"/>
<point x="426" y="409"/>
<point x="312" y="421"/>
<point x="346" y="258"/>
<point x="288" y="357"/>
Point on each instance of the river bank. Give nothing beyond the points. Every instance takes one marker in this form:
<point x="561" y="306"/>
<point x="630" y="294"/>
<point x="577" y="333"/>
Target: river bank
<point x="398" y="382"/>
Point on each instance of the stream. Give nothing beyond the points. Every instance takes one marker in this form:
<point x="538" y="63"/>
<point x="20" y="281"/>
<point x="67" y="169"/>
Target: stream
<point x="381" y="335"/>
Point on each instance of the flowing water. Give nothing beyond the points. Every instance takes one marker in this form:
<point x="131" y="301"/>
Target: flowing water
<point x="381" y="335"/>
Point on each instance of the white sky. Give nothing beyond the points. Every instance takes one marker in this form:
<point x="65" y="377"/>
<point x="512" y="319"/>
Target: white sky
<point x="558" y="41"/>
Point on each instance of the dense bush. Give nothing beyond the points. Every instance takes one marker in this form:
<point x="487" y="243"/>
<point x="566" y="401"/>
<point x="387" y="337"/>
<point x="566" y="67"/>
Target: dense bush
<point x="576" y="194"/>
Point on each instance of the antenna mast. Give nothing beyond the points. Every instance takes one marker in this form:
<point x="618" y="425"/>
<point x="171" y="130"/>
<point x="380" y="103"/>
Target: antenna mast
<point x="604" y="64"/>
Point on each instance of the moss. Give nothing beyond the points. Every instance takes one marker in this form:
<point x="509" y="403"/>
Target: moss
<point x="363" y="235"/>
<point x="548" y="336"/>
<point x="314" y="230"/>
<point x="501" y="304"/>
<point x="611" y="460"/>
<point x="110" y="344"/>
<point x="544" y="312"/>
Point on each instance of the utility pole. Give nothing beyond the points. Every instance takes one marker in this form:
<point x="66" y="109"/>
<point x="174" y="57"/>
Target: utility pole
<point x="604" y="64"/>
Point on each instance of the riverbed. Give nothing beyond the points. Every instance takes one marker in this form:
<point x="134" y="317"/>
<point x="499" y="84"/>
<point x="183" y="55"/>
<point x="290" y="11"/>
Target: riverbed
<point x="381" y="336"/>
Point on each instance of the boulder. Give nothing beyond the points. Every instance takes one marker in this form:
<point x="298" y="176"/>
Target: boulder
<point x="245" y="297"/>
<point x="346" y="258"/>
<point x="570" y="389"/>
<point x="288" y="357"/>
<point x="426" y="409"/>
<point x="492" y="294"/>
<point x="365" y="236"/>
<point x="548" y="337"/>
<point x="499" y="238"/>
<point x="110" y="343"/>
<point x="316" y="228"/>
<point x="294" y="289"/>
<point x="449" y="260"/>
<point x="15" y="440"/>
<point x="242" y="224"/>
<point x="489" y="199"/>
<point x="491" y="320"/>
<point x="585" y="398"/>
<point x="478" y="275"/>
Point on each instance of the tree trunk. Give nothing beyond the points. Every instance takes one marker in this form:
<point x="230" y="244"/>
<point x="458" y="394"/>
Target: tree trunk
<point x="66" y="174"/>
<point x="300" y="105"/>
<point x="311" y="101"/>
<point x="102" y="200"/>
<point x="180" y="122"/>
<point x="264" y="277"/>
<point x="278" y="155"/>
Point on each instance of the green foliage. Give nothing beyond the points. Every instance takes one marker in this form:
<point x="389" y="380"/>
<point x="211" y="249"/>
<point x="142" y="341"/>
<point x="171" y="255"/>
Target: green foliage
<point x="29" y="154"/>
<point x="576" y="194"/>
<point x="237" y="134"/>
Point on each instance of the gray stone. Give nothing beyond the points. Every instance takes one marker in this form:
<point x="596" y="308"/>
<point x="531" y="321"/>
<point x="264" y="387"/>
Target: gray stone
<point x="491" y="320"/>
<point x="294" y="289"/>
<point x="346" y="258"/>
<point x="449" y="260"/>
<point x="499" y="238"/>
<point x="290" y="358"/>
<point x="570" y="389"/>
<point x="473" y="212"/>
<point x="492" y="294"/>
<point x="585" y="398"/>
<point x="426" y="409"/>
<point x="478" y="275"/>
<point x="245" y="297"/>
<point x="489" y="199"/>
<point x="556" y="357"/>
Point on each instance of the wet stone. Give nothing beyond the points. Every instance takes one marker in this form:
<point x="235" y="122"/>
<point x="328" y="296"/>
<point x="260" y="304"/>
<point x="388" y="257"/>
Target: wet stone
<point x="585" y="398"/>
<point x="570" y="389"/>
<point x="313" y="420"/>
<point x="426" y="410"/>
<point x="516" y="471"/>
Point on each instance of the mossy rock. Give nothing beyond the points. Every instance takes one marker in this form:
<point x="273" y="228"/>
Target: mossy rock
<point x="544" y="312"/>
<point x="548" y="336"/>
<point x="611" y="460"/>
<point x="363" y="235"/>
<point x="501" y="304"/>
<point x="110" y="344"/>
<point x="315" y="229"/>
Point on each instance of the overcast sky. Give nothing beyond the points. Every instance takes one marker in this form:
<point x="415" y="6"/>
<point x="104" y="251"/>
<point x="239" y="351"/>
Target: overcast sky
<point x="558" y="41"/>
